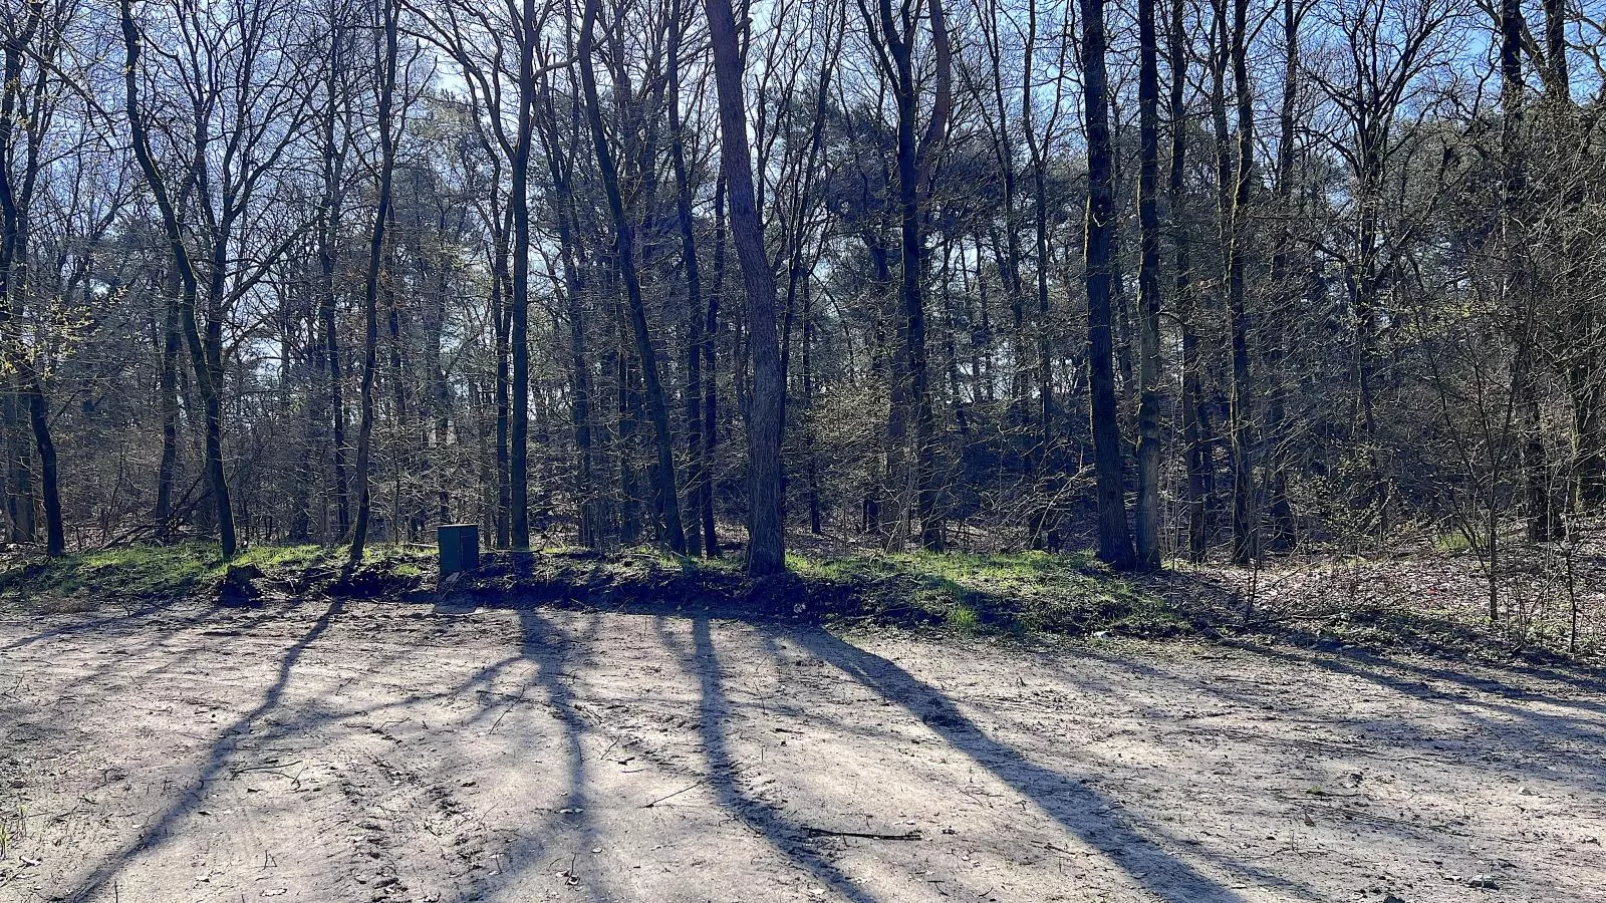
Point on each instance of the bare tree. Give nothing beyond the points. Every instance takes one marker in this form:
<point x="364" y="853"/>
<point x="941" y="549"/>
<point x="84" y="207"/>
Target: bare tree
<point x="1115" y="538"/>
<point x="1148" y="504"/>
<point x="766" y="550"/>
<point x="895" y="34"/>
<point x="390" y="13"/>
<point x="667" y="495"/>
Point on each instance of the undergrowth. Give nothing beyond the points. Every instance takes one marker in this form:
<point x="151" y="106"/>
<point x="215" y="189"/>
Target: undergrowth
<point x="154" y="574"/>
<point x="967" y="593"/>
<point x="1019" y="594"/>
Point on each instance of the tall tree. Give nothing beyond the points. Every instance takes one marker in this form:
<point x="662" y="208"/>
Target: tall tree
<point x="334" y="140"/>
<point x="696" y="446"/>
<point x="1148" y="505"/>
<point x="189" y="286"/>
<point x="917" y="151"/>
<point x="1115" y="538"/>
<point x="665" y="490"/>
<point x="519" y="434"/>
<point x="1245" y="517"/>
<point x="766" y="549"/>
<point x="1544" y="522"/>
<point x="390" y="12"/>
<point x="26" y="103"/>
<point x="1197" y="442"/>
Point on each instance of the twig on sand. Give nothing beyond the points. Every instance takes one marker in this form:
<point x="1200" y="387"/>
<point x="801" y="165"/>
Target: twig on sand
<point x="867" y="835"/>
<point x="270" y="766"/>
<point x="660" y="799"/>
<point x="499" y="719"/>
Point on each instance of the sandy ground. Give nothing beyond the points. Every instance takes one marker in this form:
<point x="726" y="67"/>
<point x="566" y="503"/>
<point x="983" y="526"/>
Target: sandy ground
<point x="335" y="751"/>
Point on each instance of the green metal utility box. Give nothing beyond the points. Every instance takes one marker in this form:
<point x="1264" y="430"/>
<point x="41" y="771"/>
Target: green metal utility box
<point x="459" y="547"/>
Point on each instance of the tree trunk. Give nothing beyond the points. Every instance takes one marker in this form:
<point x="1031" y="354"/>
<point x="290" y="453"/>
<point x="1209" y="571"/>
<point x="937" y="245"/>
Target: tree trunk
<point x="167" y="388"/>
<point x="205" y="382"/>
<point x="1245" y="524"/>
<point x="705" y="490"/>
<point x="914" y="158"/>
<point x="1543" y="520"/>
<point x="371" y="282"/>
<point x="1280" y="535"/>
<point x="664" y="484"/>
<point x="1115" y="540"/>
<point x="1148" y="505"/>
<point x="31" y="394"/>
<point x="695" y="539"/>
<point x="519" y="435"/>
<point x="39" y="418"/>
<point x="574" y="287"/>
<point x="1194" y="423"/>
<point x="766" y="549"/>
<point x="501" y="326"/>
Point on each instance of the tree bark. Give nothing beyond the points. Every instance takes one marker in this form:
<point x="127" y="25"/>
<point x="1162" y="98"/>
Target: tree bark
<point x="705" y="491"/>
<point x="519" y="434"/>
<point x="664" y="484"/>
<point x="766" y="548"/>
<point x="371" y="281"/>
<point x="1149" y="402"/>
<point x="167" y="388"/>
<point x="1115" y="539"/>
<point x="1195" y="425"/>
<point x="1245" y="517"/>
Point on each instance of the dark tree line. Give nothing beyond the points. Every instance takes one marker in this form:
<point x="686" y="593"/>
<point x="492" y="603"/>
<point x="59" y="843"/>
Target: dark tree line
<point x="1168" y="278"/>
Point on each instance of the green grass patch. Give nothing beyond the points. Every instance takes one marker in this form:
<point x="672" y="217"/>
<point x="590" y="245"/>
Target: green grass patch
<point x="86" y="580"/>
<point x="968" y="593"/>
<point x="1010" y="593"/>
<point x="1453" y="542"/>
<point x="128" y="571"/>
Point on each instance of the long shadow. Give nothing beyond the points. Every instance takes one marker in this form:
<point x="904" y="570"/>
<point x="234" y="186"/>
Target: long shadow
<point x="222" y="750"/>
<point x="1483" y="683"/>
<point x="761" y="817"/>
<point x="1069" y="802"/>
<point x="548" y="660"/>
<point x="130" y="617"/>
<point x="1267" y="701"/>
<point x="533" y="648"/>
<point x="1409" y="680"/>
<point x="549" y="674"/>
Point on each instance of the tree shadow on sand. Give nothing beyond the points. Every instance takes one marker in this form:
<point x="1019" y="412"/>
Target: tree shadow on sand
<point x="1079" y="809"/>
<point x="190" y="799"/>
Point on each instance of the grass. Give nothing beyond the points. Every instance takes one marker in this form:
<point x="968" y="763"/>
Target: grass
<point x="969" y="594"/>
<point x="83" y="581"/>
<point x="963" y="592"/>
<point x="140" y="571"/>
<point x="1009" y="593"/>
<point x="1453" y="542"/>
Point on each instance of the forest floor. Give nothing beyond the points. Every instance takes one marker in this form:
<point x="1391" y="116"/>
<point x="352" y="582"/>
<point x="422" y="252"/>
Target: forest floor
<point x="366" y="739"/>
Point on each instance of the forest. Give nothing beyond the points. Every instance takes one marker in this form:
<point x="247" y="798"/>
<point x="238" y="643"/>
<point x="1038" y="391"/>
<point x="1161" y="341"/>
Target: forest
<point x="1175" y="280"/>
<point x="1001" y="450"/>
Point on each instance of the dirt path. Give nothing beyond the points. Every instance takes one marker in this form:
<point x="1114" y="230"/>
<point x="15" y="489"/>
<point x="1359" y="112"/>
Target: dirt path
<point x="378" y="752"/>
